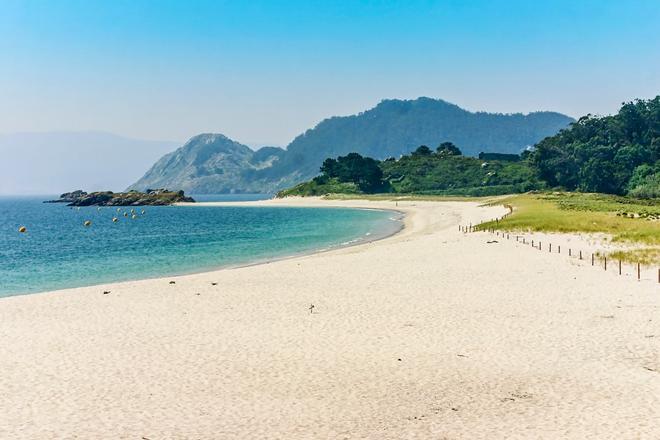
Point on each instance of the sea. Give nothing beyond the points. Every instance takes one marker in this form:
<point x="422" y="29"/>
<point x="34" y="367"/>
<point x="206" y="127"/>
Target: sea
<point x="58" y="251"/>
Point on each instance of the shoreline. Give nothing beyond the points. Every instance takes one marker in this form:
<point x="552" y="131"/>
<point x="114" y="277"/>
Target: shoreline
<point x="354" y="242"/>
<point x="429" y="333"/>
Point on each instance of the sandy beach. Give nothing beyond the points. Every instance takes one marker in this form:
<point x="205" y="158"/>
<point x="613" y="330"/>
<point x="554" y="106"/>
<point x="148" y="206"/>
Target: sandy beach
<point x="427" y="334"/>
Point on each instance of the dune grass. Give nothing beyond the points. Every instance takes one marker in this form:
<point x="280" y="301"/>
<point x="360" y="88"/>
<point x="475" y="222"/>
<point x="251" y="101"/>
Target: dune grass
<point x="628" y="221"/>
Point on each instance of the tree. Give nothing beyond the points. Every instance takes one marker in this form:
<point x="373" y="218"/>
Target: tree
<point x="329" y="167"/>
<point x="422" y="150"/>
<point x="602" y="153"/>
<point x="448" y="149"/>
<point x="363" y="171"/>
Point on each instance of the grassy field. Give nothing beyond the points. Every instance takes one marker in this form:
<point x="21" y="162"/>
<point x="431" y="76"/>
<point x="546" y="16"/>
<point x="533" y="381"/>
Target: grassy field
<point x="633" y="222"/>
<point x="626" y="220"/>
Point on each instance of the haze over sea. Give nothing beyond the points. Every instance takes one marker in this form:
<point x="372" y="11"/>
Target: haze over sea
<point x="57" y="251"/>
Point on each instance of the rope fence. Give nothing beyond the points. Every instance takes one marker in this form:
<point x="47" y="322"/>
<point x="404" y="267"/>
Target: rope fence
<point x="470" y="228"/>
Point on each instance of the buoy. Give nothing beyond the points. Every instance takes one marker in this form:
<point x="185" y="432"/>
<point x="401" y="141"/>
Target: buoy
<point x="87" y="223"/>
<point x="126" y="214"/>
<point x="114" y="219"/>
<point x="118" y="209"/>
<point x="143" y="212"/>
<point x="134" y="216"/>
<point x="22" y="229"/>
<point x="132" y="211"/>
<point x="98" y="209"/>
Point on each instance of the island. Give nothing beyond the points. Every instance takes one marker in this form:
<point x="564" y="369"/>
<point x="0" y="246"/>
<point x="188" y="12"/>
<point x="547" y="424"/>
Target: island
<point x="151" y="197"/>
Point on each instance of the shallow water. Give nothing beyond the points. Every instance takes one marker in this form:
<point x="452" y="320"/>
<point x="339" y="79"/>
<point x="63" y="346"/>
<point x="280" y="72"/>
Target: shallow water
<point x="57" y="251"/>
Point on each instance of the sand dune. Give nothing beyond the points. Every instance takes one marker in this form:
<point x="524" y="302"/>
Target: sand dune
<point x="430" y="333"/>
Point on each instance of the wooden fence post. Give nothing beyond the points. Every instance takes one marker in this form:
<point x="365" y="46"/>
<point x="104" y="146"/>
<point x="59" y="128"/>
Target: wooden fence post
<point x="605" y="262"/>
<point x="638" y="274"/>
<point x="619" y="267"/>
<point x="550" y="247"/>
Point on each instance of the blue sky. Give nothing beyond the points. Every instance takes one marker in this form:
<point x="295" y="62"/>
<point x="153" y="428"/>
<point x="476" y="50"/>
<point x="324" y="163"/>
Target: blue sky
<point x="263" y="71"/>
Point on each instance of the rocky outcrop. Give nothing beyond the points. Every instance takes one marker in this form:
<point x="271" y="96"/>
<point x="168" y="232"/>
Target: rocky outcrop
<point x="152" y="197"/>
<point x="68" y="197"/>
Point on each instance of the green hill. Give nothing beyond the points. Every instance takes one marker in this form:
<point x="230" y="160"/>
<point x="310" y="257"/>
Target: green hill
<point x="213" y="163"/>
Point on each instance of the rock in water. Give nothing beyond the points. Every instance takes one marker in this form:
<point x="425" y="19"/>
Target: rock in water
<point x="132" y="198"/>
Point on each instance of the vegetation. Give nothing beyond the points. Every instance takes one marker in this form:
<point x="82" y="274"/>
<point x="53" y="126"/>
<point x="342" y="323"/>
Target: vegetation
<point x="626" y="220"/>
<point x="443" y="172"/>
<point x="613" y="154"/>
<point x="315" y="188"/>
<point x="617" y="154"/>
<point x="395" y="127"/>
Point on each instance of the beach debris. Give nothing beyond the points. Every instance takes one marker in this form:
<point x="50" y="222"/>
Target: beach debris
<point x="214" y="284"/>
<point x="311" y="308"/>
<point x="105" y="292"/>
<point x="492" y="241"/>
<point x="462" y="355"/>
<point x="87" y="223"/>
<point x="114" y="219"/>
<point x="198" y="294"/>
<point x="399" y="359"/>
<point x="172" y="282"/>
<point x="22" y="229"/>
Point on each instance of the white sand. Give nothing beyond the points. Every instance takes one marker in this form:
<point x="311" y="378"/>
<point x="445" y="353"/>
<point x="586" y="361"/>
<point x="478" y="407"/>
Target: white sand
<point x="428" y="334"/>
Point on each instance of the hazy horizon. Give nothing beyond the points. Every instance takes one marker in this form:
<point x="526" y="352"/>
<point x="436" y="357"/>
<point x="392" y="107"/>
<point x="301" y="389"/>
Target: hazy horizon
<point x="155" y="74"/>
<point x="251" y="143"/>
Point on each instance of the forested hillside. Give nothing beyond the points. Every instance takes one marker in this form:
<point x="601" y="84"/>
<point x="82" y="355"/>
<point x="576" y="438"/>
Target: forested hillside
<point x="616" y="154"/>
<point x="214" y="164"/>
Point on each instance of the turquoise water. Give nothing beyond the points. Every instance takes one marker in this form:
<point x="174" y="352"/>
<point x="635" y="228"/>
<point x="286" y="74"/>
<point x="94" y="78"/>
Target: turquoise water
<point x="57" y="251"/>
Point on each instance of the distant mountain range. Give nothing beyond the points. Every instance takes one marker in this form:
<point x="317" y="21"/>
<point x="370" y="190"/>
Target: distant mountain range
<point x="55" y="162"/>
<point x="214" y="164"/>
